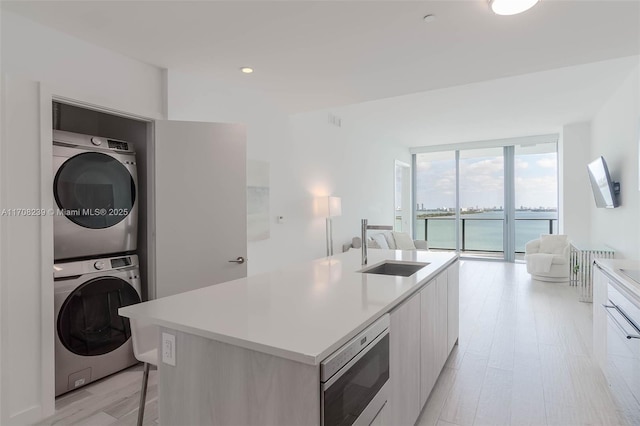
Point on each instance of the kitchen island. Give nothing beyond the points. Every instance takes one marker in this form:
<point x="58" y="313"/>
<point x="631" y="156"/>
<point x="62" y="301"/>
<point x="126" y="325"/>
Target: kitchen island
<point x="248" y="351"/>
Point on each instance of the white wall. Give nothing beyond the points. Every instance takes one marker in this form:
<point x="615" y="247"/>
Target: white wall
<point x="75" y="69"/>
<point x="70" y="68"/>
<point x="576" y="198"/>
<point x="308" y="158"/>
<point x="615" y="136"/>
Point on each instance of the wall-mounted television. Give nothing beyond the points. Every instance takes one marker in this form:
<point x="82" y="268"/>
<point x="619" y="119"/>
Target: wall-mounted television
<point x="605" y="191"/>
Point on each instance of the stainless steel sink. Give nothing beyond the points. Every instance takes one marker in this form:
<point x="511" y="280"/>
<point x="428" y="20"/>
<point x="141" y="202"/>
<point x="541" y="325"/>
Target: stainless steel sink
<point x="395" y="267"/>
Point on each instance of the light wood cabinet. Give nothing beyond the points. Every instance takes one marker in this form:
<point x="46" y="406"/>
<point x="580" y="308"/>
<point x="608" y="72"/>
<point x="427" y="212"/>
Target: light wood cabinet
<point x="428" y="370"/>
<point x="437" y="313"/>
<point x="441" y="321"/>
<point x="404" y="363"/>
<point x="453" y="305"/>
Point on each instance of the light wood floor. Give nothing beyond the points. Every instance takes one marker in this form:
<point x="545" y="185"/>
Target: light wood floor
<point x="110" y="401"/>
<point x="524" y="358"/>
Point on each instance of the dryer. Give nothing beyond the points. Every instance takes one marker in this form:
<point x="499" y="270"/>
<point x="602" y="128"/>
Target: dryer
<point x="95" y="187"/>
<point x="92" y="341"/>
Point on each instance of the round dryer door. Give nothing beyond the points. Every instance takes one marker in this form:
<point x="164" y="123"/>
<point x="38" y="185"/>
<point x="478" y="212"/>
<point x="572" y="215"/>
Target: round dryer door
<point x="88" y="322"/>
<point x="94" y="190"/>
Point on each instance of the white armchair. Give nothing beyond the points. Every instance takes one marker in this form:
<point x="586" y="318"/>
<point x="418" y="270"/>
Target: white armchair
<point x="547" y="258"/>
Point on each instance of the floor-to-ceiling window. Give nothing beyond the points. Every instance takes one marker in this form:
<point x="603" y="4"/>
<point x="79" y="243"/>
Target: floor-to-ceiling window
<point x="481" y="183"/>
<point x="536" y="192"/>
<point x="487" y="201"/>
<point x="435" y="199"/>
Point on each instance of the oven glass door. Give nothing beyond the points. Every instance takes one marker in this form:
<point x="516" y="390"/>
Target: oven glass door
<point x="347" y="397"/>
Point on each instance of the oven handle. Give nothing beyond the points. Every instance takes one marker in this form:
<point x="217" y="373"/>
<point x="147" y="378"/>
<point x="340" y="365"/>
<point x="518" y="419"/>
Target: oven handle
<point x="326" y="385"/>
<point x="617" y="323"/>
<point x="375" y="406"/>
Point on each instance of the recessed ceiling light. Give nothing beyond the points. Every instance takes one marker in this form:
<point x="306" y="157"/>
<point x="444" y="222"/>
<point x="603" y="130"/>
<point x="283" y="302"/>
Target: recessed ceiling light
<point x="511" y="7"/>
<point x="429" y="18"/>
<point x="246" y="70"/>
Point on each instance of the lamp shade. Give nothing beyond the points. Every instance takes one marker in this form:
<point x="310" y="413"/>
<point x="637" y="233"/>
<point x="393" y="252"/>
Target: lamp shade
<point x="328" y="206"/>
<point x="511" y="7"/>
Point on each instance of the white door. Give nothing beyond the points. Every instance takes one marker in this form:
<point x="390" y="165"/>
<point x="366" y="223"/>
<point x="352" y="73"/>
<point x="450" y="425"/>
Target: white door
<point x="201" y="210"/>
<point x="402" y="206"/>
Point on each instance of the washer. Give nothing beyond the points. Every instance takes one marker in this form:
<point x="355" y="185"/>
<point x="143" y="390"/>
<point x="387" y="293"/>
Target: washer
<point x="95" y="188"/>
<point x="92" y="340"/>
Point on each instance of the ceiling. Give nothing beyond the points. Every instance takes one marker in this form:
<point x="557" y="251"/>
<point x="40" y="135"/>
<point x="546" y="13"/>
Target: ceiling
<point x="531" y="104"/>
<point x="312" y="55"/>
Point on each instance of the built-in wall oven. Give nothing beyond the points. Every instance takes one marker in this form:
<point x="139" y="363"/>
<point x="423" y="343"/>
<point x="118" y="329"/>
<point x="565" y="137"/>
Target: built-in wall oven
<point x="354" y="379"/>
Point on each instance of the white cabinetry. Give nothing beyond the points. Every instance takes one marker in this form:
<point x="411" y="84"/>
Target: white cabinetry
<point x="616" y="314"/>
<point x="404" y="366"/>
<point x="599" y="317"/>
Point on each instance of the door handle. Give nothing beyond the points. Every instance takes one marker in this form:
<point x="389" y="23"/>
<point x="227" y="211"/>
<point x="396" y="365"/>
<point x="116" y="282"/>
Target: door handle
<point x="240" y="260"/>
<point x="617" y="323"/>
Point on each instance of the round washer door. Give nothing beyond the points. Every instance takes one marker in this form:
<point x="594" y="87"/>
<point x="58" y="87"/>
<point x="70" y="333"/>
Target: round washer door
<point x="94" y="190"/>
<point x="88" y="322"/>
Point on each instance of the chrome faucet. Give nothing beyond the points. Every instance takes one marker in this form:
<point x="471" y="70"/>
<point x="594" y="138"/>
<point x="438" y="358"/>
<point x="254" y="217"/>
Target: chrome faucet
<point x="365" y="227"/>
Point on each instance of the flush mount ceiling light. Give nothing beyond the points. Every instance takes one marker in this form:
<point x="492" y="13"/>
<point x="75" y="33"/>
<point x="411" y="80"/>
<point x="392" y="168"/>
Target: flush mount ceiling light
<point x="511" y="7"/>
<point x="246" y="70"/>
<point x="429" y="18"/>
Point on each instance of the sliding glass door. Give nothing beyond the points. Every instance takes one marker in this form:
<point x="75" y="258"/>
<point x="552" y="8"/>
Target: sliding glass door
<point x="536" y="193"/>
<point x="486" y="202"/>
<point x="481" y="183"/>
<point x="435" y="195"/>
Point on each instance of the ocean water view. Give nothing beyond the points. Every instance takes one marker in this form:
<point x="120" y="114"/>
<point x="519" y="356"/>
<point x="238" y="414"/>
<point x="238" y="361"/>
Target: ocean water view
<point x="484" y="231"/>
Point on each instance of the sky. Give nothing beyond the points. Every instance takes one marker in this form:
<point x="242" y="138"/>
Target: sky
<point x="482" y="180"/>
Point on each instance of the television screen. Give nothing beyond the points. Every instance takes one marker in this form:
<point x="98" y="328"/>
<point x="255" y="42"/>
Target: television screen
<point x="601" y="184"/>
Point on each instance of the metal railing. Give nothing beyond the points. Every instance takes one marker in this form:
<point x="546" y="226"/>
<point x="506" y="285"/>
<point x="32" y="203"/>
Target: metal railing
<point x="464" y="231"/>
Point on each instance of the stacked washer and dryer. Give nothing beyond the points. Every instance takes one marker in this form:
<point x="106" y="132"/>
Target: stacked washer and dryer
<point x="96" y="270"/>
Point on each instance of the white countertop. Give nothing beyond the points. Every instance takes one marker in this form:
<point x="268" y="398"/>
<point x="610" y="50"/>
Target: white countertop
<point x="629" y="286"/>
<point x="303" y="313"/>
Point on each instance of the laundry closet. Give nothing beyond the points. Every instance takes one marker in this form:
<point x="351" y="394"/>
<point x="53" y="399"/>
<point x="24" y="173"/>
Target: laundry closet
<point x="189" y="196"/>
<point x="101" y="220"/>
<point x="133" y="222"/>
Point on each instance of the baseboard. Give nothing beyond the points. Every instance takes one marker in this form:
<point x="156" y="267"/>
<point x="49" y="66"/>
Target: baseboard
<point x="28" y="416"/>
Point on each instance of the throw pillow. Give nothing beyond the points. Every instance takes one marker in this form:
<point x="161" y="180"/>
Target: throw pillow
<point x="381" y="240"/>
<point x="403" y="241"/>
<point x="391" y="242"/>
<point x="552" y="244"/>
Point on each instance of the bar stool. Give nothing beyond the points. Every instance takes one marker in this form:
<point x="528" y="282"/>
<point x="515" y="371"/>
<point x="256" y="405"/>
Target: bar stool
<point x="145" y="349"/>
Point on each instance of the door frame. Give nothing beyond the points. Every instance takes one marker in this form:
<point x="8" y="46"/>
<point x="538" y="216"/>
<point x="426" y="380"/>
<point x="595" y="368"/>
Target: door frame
<point x="47" y="358"/>
<point x="150" y="178"/>
<point x="405" y="193"/>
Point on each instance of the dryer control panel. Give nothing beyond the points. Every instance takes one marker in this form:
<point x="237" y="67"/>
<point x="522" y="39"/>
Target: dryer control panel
<point x="91" y="266"/>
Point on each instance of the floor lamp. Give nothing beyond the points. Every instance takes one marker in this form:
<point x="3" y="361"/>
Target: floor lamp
<point x="329" y="207"/>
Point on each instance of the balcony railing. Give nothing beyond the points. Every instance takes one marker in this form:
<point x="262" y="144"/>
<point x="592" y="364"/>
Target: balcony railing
<point x="481" y="234"/>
